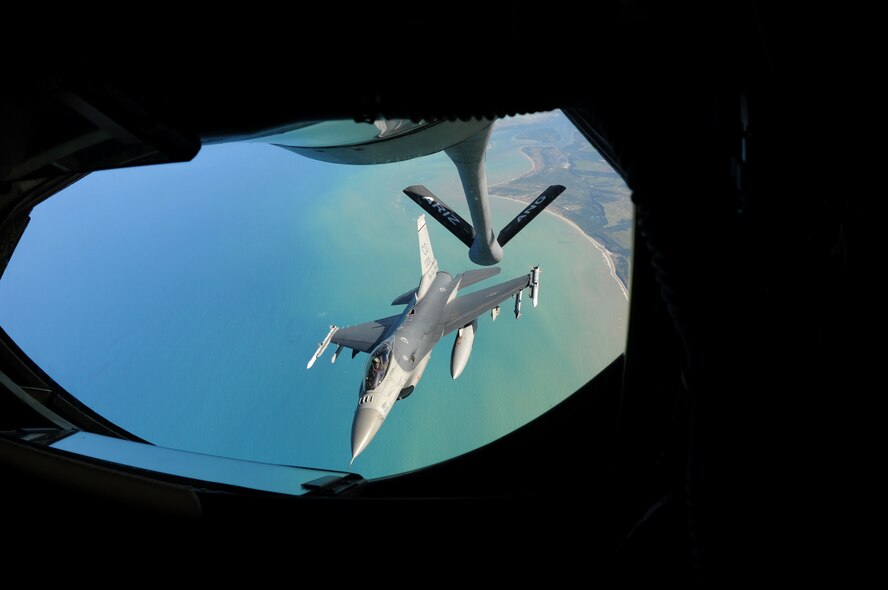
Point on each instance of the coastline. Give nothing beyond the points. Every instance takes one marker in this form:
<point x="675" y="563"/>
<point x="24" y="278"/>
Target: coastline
<point x="607" y="254"/>
<point x="533" y="168"/>
<point x="533" y="165"/>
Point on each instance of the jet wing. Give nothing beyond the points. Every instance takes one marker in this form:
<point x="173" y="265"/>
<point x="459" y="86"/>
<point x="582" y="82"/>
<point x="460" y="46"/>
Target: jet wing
<point x="363" y="337"/>
<point x="463" y="310"/>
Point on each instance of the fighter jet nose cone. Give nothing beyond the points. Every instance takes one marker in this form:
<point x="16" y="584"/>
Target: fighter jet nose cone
<point x="365" y="426"/>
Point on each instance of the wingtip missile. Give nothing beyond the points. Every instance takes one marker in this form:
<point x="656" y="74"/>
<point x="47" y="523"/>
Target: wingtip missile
<point x="322" y="346"/>
<point x="535" y="285"/>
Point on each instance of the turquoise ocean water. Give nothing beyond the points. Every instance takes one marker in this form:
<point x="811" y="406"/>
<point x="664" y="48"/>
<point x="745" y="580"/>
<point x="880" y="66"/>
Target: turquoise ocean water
<point x="183" y="302"/>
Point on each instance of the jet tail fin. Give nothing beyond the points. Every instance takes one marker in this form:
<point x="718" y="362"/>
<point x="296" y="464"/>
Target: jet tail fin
<point x="446" y="216"/>
<point x="426" y="257"/>
<point x="529" y="212"/>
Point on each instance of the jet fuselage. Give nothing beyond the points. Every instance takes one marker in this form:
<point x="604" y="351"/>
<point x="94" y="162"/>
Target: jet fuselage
<point x="397" y="363"/>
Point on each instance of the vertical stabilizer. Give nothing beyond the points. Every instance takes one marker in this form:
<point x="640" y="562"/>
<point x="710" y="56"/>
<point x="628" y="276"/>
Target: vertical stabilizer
<point x="427" y="259"/>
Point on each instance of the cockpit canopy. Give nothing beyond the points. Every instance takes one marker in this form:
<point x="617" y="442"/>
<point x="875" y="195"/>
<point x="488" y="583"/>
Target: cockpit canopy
<point x="377" y="367"/>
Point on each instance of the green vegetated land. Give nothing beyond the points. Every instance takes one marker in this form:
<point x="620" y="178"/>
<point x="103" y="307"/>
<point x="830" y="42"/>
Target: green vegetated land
<point x="596" y="199"/>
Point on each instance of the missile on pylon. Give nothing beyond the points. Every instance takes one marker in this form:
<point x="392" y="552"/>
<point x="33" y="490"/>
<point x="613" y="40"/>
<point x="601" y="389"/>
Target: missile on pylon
<point x="336" y="354"/>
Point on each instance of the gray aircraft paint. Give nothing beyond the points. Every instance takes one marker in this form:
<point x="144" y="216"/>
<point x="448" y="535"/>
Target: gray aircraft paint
<point x="400" y="346"/>
<point x="464" y="142"/>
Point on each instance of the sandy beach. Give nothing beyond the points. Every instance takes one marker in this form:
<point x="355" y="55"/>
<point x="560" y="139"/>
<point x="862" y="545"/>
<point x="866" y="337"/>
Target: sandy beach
<point x="607" y="254"/>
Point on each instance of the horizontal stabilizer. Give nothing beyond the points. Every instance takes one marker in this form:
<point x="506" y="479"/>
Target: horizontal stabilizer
<point x="446" y="216"/>
<point x="470" y="277"/>
<point x="529" y="212"/>
<point x="405" y="298"/>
